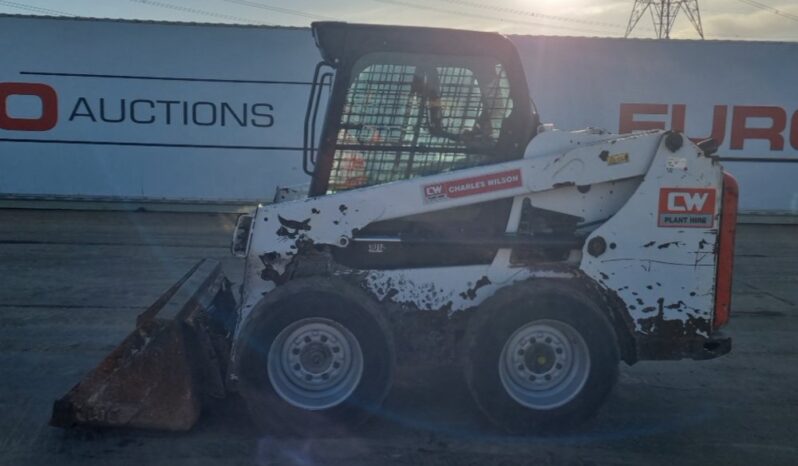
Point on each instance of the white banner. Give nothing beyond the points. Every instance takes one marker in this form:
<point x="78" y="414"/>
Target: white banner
<point x="743" y="94"/>
<point x="184" y="112"/>
<point x="148" y="111"/>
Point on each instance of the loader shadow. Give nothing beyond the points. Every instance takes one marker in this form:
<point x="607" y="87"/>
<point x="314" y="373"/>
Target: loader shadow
<point x="434" y="422"/>
<point x="435" y="414"/>
<point x="441" y="405"/>
<point x="428" y="420"/>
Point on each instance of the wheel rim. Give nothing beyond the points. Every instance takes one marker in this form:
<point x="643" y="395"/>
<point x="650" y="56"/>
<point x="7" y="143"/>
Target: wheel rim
<point x="544" y="364"/>
<point x="315" y="363"/>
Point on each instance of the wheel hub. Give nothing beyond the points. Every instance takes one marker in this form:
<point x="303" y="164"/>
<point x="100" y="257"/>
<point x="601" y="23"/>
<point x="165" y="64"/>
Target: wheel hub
<point x="315" y="358"/>
<point x="544" y="364"/>
<point x="315" y="363"/>
<point x="540" y="358"/>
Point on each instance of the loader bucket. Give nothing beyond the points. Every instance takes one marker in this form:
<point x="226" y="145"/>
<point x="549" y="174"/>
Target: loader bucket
<point x="161" y="373"/>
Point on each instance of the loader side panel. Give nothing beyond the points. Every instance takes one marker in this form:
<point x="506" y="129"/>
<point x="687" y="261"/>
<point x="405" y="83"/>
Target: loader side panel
<point x="291" y="237"/>
<point x="659" y="252"/>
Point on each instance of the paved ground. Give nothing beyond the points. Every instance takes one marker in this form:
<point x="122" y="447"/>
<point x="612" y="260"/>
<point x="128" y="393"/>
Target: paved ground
<point x="73" y="283"/>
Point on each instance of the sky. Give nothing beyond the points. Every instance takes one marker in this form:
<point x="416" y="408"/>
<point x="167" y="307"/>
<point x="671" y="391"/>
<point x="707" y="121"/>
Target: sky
<point x="722" y="19"/>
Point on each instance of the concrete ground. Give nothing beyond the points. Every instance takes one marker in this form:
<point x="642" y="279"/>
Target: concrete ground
<point x="73" y="283"/>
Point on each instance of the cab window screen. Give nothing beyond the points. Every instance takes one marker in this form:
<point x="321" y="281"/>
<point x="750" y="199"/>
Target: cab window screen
<point x="407" y="116"/>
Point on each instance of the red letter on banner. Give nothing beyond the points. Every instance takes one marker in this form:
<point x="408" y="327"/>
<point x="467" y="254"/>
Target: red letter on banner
<point x="627" y="122"/>
<point x="741" y="132"/>
<point x="794" y="131"/>
<point x="45" y="93"/>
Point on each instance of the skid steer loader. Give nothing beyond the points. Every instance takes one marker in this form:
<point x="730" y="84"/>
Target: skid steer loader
<point x="443" y="225"/>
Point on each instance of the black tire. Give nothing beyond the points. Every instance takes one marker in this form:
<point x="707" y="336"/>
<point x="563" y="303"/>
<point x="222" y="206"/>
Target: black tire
<point x="518" y="307"/>
<point x="324" y="298"/>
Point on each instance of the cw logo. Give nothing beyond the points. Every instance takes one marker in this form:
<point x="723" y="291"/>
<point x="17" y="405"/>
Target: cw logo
<point x="434" y="190"/>
<point x="687" y="202"/>
<point x="49" y="100"/>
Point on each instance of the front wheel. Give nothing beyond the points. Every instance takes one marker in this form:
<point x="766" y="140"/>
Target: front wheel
<point x="316" y="359"/>
<point x="539" y="359"/>
<point x="315" y="363"/>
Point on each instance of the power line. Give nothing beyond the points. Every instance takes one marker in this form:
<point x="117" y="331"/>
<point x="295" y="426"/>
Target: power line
<point x="196" y="11"/>
<point x="277" y="9"/>
<point x="483" y="17"/>
<point x="517" y="11"/>
<point x="769" y="9"/>
<point x="34" y="9"/>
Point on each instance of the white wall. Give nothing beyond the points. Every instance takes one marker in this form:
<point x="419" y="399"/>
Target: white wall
<point x="576" y="82"/>
<point x="84" y="156"/>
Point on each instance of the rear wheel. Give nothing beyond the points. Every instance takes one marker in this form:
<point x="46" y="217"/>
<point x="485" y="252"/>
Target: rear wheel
<point x="317" y="361"/>
<point x="544" y="364"/>
<point x="540" y="359"/>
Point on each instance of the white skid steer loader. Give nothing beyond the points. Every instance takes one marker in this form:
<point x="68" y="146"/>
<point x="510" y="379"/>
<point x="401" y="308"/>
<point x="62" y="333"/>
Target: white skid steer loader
<point x="443" y="224"/>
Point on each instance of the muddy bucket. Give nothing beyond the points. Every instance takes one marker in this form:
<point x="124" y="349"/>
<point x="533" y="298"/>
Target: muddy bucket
<point x="158" y="377"/>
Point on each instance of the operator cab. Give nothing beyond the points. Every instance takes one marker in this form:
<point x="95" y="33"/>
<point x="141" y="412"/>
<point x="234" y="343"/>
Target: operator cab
<point x="406" y="102"/>
<point x="410" y="101"/>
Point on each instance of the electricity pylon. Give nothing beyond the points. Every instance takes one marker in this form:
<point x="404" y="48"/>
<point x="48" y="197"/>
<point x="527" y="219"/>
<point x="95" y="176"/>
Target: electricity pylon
<point x="663" y="15"/>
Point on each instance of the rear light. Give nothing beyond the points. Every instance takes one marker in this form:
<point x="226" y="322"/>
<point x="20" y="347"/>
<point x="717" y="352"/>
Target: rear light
<point x="728" y="224"/>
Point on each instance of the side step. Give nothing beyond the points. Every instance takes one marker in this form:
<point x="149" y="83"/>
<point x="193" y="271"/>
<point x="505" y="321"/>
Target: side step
<point x="159" y="375"/>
